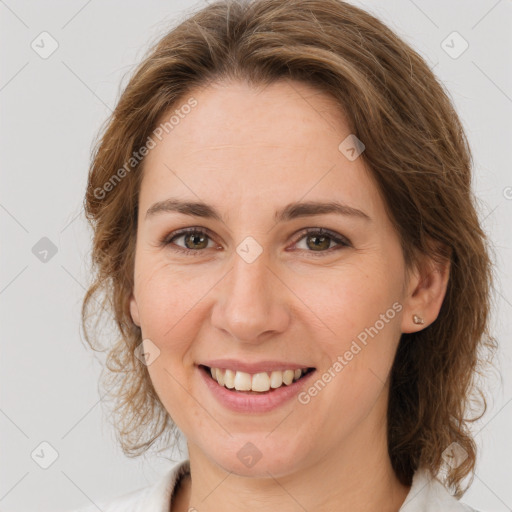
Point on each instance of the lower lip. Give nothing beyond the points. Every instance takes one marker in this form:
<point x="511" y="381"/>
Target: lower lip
<point x="264" y="402"/>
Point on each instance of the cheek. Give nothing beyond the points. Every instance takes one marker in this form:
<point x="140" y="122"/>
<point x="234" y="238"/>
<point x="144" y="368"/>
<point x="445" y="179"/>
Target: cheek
<point x="356" y="324"/>
<point x="172" y="312"/>
<point x="171" y="384"/>
<point x="343" y="301"/>
<point x="169" y="319"/>
<point x="167" y="298"/>
<point x="168" y="311"/>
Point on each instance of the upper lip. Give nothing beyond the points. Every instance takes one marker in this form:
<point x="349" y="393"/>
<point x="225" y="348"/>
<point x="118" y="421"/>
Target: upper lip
<point x="256" y="367"/>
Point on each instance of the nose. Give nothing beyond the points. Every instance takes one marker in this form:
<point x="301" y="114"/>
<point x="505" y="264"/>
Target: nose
<point x="251" y="303"/>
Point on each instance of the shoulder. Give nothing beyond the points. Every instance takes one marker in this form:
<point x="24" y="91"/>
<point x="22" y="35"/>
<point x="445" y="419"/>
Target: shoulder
<point x="156" y="497"/>
<point x="428" y="494"/>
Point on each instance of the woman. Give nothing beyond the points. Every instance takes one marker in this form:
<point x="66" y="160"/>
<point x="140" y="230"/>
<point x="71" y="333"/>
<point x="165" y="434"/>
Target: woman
<point x="285" y="232"/>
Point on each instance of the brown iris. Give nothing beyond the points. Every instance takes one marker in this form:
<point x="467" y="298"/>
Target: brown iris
<point x="197" y="238"/>
<point x="324" y="243"/>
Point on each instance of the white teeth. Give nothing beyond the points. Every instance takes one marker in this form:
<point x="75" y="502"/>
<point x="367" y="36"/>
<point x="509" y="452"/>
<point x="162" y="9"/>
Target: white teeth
<point x="242" y="381"/>
<point x="219" y="374"/>
<point x="288" y="377"/>
<point x="229" y="378"/>
<point x="260" y="382"/>
<point x="276" y="379"/>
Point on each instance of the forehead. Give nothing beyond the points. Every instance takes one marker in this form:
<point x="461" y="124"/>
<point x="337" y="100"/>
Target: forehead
<point x="251" y="145"/>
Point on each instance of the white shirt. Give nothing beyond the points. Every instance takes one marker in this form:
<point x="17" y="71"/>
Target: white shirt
<point x="426" y="495"/>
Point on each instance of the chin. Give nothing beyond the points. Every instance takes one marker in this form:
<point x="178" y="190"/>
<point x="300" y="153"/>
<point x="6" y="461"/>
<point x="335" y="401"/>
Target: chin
<point x="256" y="455"/>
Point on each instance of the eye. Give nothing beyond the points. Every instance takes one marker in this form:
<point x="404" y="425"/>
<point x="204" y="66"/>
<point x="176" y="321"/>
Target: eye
<point x="320" y="238"/>
<point x="196" y="239"/>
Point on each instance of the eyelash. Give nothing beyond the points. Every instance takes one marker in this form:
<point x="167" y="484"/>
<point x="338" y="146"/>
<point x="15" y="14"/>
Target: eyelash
<point x="344" y="242"/>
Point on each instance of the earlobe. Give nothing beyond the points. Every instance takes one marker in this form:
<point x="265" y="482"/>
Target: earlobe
<point x="134" y="311"/>
<point x="426" y="296"/>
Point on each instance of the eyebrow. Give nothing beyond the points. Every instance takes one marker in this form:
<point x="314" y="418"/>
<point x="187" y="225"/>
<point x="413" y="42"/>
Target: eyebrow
<point x="289" y="212"/>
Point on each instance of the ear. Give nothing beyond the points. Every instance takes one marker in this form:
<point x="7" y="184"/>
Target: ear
<point x="134" y="310"/>
<point x="425" y="292"/>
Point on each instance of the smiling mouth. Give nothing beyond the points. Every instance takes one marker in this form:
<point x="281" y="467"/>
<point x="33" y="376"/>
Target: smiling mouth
<point x="274" y="383"/>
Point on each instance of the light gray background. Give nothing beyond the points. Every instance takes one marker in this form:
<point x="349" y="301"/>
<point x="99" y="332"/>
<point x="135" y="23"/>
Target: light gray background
<point x="51" y="110"/>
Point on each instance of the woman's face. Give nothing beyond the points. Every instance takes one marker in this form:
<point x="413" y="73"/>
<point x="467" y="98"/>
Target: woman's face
<point x="253" y="287"/>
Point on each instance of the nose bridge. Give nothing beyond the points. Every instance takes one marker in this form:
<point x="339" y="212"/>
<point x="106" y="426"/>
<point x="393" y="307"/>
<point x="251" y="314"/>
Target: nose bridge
<point x="248" y="282"/>
<point x="252" y="302"/>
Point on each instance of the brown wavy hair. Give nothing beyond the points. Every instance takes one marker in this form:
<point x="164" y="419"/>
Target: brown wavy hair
<point x="417" y="151"/>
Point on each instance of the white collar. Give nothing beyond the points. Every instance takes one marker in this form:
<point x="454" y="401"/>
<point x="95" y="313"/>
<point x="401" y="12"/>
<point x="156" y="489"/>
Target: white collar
<point x="428" y="494"/>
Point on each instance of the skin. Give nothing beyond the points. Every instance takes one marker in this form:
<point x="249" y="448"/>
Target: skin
<point x="249" y="152"/>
